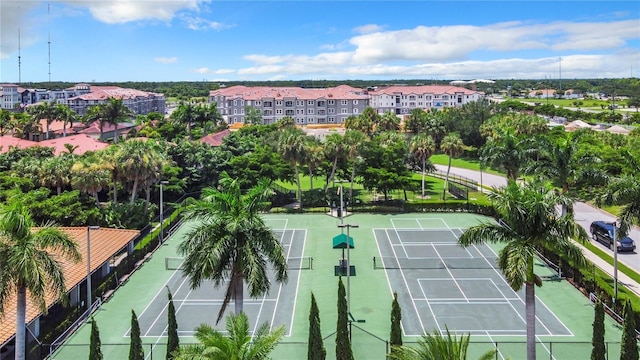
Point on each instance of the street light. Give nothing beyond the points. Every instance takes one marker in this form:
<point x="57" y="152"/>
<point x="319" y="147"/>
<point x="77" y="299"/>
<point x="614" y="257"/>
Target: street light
<point x="341" y="191"/>
<point x="348" y="226"/>
<point x="615" y="262"/>
<point x="89" y="228"/>
<point x="161" y="211"/>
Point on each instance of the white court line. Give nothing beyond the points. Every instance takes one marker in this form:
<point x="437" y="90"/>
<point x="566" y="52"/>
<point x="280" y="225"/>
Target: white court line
<point x="386" y="274"/>
<point x="286" y="223"/>
<point x="406" y="284"/>
<point x="418" y="221"/>
<point x="279" y="288"/>
<point x="497" y="351"/>
<point x="295" y="298"/>
<point x="450" y="274"/>
<point x="216" y="301"/>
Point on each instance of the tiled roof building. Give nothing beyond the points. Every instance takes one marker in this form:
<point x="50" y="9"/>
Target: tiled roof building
<point x="306" y="106"/>
<point x="333" y="105"/>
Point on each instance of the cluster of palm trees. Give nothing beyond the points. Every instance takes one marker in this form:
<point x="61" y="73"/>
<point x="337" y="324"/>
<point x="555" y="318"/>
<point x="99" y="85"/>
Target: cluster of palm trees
<point x="23" y="124"/>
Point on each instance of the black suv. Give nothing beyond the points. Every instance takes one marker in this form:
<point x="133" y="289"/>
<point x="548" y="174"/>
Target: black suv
<point x="602" y="231"/>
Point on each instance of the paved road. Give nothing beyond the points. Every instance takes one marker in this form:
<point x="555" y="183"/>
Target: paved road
<point x="584" y="215"/>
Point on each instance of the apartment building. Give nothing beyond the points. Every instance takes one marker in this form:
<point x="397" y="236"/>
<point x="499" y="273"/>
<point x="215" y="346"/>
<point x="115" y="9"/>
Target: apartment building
<point x="82" y="96"/>
<point x="401" y="100"/>
<point x="139" y="102"/>
<point x="334" y="105"/>
<point x="9" y="96"/>
<point x="305" y="106"/>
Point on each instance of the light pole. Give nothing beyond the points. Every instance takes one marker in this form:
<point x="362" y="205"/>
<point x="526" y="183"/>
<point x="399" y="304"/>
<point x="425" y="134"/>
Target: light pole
<point x="615" y="262"/>
<point x="89" y="228"/>
<point x="341" y="191"/>
<point x="161" y="211"/>
<point x="348" y="226"/>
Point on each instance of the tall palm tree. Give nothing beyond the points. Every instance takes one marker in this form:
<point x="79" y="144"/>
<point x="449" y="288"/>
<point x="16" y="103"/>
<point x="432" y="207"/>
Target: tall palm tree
<point x="291" y="147"/>
<point x="438" y="346"/>
<point x="55" y="172"/>
<point x="185" y="114"/>
<point x="93" y="114"/>
<point x="334" y="151"/>
<point x="354" y="142"/>
<point x="140" y="162"/>
<point x="68" y="117"/>
<point x="24" y="125"/>
<point x="46" y="110"/>
<point x="453" y="146"/>
<point x="388" y="122"/>
<point x="237" y="344"/>
<point x="529" y="221"/>
<point x="314" y="155"/>
<point x="422" y="147"/>
<point x="231" y="242"/>
<point x="114" y="112"/>
<point x="30" y="263"/>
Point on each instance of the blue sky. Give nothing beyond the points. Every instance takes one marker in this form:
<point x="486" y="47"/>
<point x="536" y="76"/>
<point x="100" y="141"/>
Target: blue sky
<point x="196" y="40"/>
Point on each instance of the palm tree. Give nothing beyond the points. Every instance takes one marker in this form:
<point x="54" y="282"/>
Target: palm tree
<point x="437" y="346"/>
<point x="453" y="146"/>
<point x="5" y="121"/>
<point x="509" y="151"/>
<point x="231" y="242"/>
<point x="529" y="222"/>
<point x="334" y="151"/>
<point x="422" y="147"/>
<point x="30" y="261"/>
<point x="354" y="142"/>
<point x="46" y="110"/>
<point x="624" y="191"/>
<point x="55" y="172"/>
<point x="95" y="113"/>
<point x="90" y="175"/>
<point x="24" y="125"/>
<point x="185" y="114"/>
<point x="388" y="122"/>
<point x="68" y="116"/>
<point x="314" y="155"/>
<point x="291" y="147"/>
<point x="237" y="344"/>
<point x="114" y="112"/>
<point x="140" y="162"/>
<point x="561" y="163"/>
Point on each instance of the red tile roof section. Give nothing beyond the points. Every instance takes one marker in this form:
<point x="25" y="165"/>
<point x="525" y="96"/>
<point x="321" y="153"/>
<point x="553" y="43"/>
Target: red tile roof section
<point x="106" y="92"/>
<point x="423" y="89"/>
<point x="281" y="93"/>
<point x="104" y="244"/>
<point x="8" y="141"/>
<point x="215" y="139"/>
<point x="81" y="142"/>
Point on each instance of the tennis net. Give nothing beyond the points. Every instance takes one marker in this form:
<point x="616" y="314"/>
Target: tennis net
<point x="391" y="262"/>
<point x="295" y="263"/>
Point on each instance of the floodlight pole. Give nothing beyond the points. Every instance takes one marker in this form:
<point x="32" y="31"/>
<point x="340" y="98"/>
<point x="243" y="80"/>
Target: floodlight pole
<point x="89" y="228"/>
<point x="161" y="211"/>
<point x="348" y="226"/>
<point x="615" y="262"/>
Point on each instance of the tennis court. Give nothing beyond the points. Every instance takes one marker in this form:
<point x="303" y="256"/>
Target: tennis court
<point x="440" y="284"/>
<point x="194" y="306"/>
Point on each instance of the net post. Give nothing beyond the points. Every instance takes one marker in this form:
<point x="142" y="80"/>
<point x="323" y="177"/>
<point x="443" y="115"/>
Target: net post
<point x="374" y="263"/>
<point x="311" y="262"/>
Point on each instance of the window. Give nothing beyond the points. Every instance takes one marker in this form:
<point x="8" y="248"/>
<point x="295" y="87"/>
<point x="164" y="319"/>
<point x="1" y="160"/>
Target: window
<point x="235" y="111"/>
<point x="332" y="111"/>
<point x="355" y="102"/>
<point x="267" y="104"/>
<point x="355" y="110"/>
<point x="332" y="119"/>
<point x="344" y="111"/>
<point x="300" y="111"/>
<point x="278" y="102"/>
<point x="310" y="102"/>
<point x="300" y="103"/>
<point x="235" y="102"/>
<point x="309" y="111"/>
<point x="332" y="102"/>
<point x="322" y="103"/>
<point x="288" y="103"/>
<point x="278" y="111"/>
<point x="344" y="102"/>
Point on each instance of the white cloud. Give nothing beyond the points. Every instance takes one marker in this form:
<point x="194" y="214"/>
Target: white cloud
<point x="368" y="29"/>
<point x="122" y="11"/>
<point x="12" y="14"/>
<point x="166" y="60"/>
<point x="199" y="23"/>
<point x="205" y="70"/>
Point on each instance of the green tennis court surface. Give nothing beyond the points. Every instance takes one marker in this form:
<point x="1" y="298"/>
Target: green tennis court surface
<point x="439" y="285"/>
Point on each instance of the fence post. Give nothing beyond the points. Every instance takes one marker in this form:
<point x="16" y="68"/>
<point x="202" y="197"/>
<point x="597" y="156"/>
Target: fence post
<point x="497" y="351"/>
<point x="386" y="345"/>
<point x="550" y="350"/>
<point x="151" y="351"/>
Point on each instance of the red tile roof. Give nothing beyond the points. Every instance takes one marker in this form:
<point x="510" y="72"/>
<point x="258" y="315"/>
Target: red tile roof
<point x="106" y="92"/>
<point x="105" y="243"/>
<point x="81" y="142"/>
<point x="215" y="139"/>
<point x="8" y="141"/>
<point x="279" y="93"/>
<point x="423" y="89"/>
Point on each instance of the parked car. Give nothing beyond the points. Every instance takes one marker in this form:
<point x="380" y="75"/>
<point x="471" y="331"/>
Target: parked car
<point x="602" y="231"/>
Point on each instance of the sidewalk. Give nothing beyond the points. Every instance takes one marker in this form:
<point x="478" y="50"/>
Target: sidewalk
<point x="588" y="213"/>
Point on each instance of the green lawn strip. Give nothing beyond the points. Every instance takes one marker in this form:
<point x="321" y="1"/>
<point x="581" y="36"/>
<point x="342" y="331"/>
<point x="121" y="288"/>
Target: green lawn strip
<point x="609" y="259"/>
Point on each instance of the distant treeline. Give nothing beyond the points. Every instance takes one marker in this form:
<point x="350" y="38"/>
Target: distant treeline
<point x="188" y="89"/>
